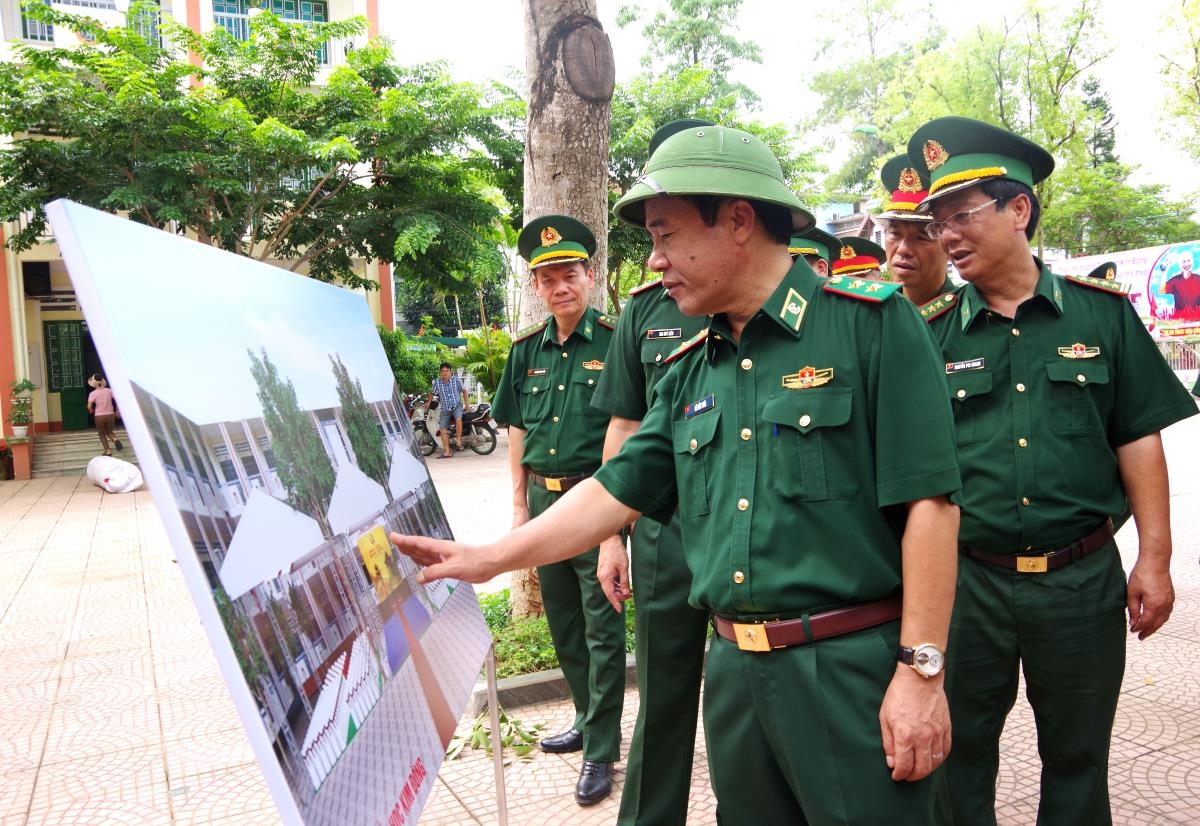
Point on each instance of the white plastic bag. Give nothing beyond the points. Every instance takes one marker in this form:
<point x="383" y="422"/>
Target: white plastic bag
<point x="114" y="475"/>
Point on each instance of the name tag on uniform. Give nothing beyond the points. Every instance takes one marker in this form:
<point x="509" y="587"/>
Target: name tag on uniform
<point x="698" y="407"/>
<point x="665" y="332"/>
<point x="538" y="371"/>
<point x="963" y="366"/>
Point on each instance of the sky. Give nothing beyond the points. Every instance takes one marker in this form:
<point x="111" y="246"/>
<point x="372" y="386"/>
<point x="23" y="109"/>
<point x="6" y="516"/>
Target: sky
<point x="484" y="39"/>
<point x="178" y="317"/>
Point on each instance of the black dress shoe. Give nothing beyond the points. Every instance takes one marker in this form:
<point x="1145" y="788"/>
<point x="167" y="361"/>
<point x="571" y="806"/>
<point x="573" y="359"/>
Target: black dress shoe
<point x="595" y="782"/>
<point x="569" y="740"/>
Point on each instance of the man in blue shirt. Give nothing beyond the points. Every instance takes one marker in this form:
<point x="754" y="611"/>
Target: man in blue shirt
<point x="448" y="389"/>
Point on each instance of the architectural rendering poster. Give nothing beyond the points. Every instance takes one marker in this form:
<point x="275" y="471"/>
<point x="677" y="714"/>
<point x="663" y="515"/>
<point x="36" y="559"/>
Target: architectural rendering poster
<point x="271" y="433"/>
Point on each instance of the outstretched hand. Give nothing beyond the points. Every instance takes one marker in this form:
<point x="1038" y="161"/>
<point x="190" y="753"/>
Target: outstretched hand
<point x="445" y="558"/>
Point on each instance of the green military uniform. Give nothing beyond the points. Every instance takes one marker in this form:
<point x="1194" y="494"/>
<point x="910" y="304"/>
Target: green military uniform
<point x="546" y="390"/>
<point x="790" y="456"/>
<point x="669" y="633"/>
<point x="1041" y="402"/>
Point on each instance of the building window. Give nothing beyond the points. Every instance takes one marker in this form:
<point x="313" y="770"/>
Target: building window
<point x="145" y="23"/>
<point x="234" y="16"/>
<point x="35" y="29"/>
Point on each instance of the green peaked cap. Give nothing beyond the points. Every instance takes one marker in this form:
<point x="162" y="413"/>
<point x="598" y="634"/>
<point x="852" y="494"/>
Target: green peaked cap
<point x="960" y="152"/>
<point x="857" y="254"/>
<point x="712" y="160"/>
<point x="1107" y="271"/>
<point x="815" y="241"/>
<point x="553" y="239"/>
<point x="907" y="184"/>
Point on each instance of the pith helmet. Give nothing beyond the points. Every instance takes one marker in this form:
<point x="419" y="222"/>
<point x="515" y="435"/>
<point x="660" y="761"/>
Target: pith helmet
<point x="671" y="127"/>
<point x="857" y="255"/>
<point x="961" y="152"/>
<point x="815" y="242"/>
<point x="712" y="160"/>
<point x="553" y="239"/>
<point x="907" y="186"/>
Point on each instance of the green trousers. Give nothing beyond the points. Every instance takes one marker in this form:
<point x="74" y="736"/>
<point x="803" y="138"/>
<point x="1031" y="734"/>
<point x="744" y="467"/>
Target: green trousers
<point x="589" y="638"/>
<point x="670" y="637"/>
<point x="1066" y="631"/>
<point x="793" y="735"/>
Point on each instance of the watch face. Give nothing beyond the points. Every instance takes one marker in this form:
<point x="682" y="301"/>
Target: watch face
<point x="927" y="659"/>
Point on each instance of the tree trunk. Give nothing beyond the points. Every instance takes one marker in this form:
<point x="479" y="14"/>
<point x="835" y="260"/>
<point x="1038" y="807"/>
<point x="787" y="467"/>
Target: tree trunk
<point x="569" y="65"/>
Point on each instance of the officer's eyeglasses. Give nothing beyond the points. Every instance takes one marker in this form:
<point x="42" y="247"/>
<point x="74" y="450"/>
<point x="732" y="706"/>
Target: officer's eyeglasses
<point x="958" y="221"/>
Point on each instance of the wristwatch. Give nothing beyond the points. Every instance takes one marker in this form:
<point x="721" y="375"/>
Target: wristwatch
<point x="926" y="659"/>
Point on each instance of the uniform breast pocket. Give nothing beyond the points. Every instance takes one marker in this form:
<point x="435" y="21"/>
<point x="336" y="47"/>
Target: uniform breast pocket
<point x="1074" y="385"/>
<point x="974" y="411"/>
<point x="655" y="352"/>
<point x="535" y="399"/>
<point x="695" y="453"/>
<point x="584" y="385"/>
<point x="813" y="453"/>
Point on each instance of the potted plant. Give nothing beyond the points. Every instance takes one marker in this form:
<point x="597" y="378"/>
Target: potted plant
<point x="20" y="407"/>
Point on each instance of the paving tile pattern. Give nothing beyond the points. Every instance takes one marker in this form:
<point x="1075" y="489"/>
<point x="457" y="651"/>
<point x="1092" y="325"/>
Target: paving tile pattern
<point x="112" y="710"/>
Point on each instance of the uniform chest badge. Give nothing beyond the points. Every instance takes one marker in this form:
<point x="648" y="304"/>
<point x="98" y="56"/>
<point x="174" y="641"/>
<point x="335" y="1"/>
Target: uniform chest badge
<point x="665" y="332"/>
<point x="807" y="377"/>
<point x="702" y="406"/>
<point x="538" y="371"/>
<point x="953" y="367"/>
<point x="1079" y="351"/>
<point x="594" y="364"/>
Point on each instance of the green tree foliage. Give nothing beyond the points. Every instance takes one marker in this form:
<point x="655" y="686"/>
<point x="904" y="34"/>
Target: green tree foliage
<point x="251" y="661"/>
<point x="414" y="361"/>
<point x="382" y="162"/>
<point x="1182" y="70"/>
<point x="362" y="425"/>
<point x="453" y="310"/>
<point x="485" y="356"/>
<point x="302" y="464"/>
<point x="1100" y="140"/>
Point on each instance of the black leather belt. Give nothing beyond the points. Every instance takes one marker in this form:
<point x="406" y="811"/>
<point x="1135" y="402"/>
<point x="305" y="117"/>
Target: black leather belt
<point x="763" y="636"/>
<point x="1044" y="561"/>
<point x="557" y="484"/>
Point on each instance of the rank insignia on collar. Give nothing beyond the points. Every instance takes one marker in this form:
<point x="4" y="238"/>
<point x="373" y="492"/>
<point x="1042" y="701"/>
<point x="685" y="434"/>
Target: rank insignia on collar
<point x="938" y="306"/>
<point x="538" y="371"/>
<point x="807" y="377"/>
<point x="594" y="364"/>
<point x="1078" y="351"/>
<point x="794" y="306"/>
<point x="701" y="406"/>
<point x="665" y="332"/>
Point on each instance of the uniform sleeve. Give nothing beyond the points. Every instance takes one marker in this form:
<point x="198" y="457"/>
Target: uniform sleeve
<point x="642" y="475"/>
<point x="915" y="448"/>
<point x="621" y="391"/>
<point x="504" y="406"/>
<point x="1149" y="396"/>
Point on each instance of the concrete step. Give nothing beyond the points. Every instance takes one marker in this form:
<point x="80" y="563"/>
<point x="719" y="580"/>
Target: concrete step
<point x="68" y="454"/>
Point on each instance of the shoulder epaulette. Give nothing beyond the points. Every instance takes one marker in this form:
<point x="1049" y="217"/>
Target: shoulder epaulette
<point x="607" y="321"/>
<point x="938" y="306"/>
<point x="690" y="344"/>
<point x="529" y="331"/>
<point x="1103" y="284"/>
<point x="649" y="285"/>
<point x="861" y="288"/>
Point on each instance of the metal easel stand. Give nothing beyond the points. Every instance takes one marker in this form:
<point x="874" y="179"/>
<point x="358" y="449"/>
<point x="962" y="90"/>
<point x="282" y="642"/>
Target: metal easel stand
<point x="497" y="740"/>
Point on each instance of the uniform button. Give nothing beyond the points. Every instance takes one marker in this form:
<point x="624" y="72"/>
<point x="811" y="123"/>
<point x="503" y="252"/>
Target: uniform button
<point x="553" y="452"/>
<point x="560" y="387"/>
<point x="658" y="357"/>
<point x="739" y="577"/>
<point x="564" y="354"/>
<point x="693" y="444"/>
<point x="1081" y="378"/>
<point x="962" y="394"/>
<point x="1016" y="332"/>
<point x="747" y="364"/>
<point x="535" y="390"/>
<point x="590" y="381"/>
<point x="1020" y="388"/>
<point x="1023" y="442"/>
<point x="743" y="504"/>
<point x="1025" y="500"/>
<point x="805" y="420"/>
<point x="556" y="418"/>
<point x="746" y="434"/>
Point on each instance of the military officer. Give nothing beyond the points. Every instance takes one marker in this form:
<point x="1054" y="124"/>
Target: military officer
<point x="1059" y="395"/>
<point x="669" y="634"/>
<point x="915" y="259"/>
<point x="555" y="442"/>
<point x="859" y="258"/>
<point x="806" y="440"/>
<point x="816" y="245"/>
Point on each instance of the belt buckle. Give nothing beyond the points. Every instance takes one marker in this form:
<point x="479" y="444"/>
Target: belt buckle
<point x="751" y="637"/>
<point x="554" y="485"/>
<point x="1032" y="564"/>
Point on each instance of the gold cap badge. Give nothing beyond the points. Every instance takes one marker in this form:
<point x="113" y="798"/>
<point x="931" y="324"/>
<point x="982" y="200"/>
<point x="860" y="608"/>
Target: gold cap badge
<point x="910" y="181"/>
<point x="848" y="252"/>
<point x="935" y="155"/>
<point x="550" y="237"/>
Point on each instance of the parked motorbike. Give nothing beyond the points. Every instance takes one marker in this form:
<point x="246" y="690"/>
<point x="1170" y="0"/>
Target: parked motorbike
<point x="478" y="431"/>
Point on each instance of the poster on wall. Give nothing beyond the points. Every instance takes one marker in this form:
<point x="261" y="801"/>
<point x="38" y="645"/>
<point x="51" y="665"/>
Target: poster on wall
<point x="274" y="441"/>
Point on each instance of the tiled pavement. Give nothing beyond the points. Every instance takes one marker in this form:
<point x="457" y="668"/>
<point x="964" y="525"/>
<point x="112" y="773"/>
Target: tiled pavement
<point x="112" y="710"/>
